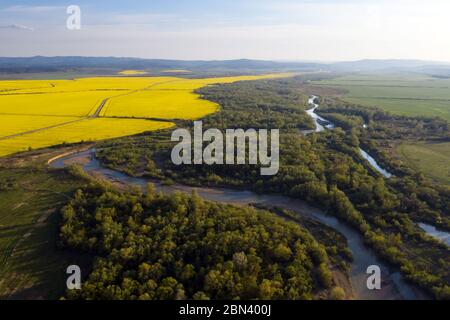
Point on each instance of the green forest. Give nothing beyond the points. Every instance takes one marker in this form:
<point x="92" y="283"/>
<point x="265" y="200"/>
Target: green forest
<point x="156" y="246"/>
<point x="325" y="169"/>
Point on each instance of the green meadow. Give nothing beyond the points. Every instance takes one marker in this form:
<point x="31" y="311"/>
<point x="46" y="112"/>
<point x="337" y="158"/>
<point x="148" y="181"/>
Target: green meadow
<point x="432" y="159"/>
<point x="407" y="94"/>
<point x="31" y="266"/>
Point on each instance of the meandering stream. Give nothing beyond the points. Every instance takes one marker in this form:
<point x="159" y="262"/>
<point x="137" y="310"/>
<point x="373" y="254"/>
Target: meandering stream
<point x="393" y="284"/>
<point x="320" y="121"/>
<point x="429" y="229"/>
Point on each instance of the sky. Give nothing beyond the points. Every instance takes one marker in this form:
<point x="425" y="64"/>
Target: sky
<point x="307" y="30"/>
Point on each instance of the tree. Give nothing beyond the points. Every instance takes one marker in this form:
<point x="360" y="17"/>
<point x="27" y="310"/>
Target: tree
<point x="337" y="293"/>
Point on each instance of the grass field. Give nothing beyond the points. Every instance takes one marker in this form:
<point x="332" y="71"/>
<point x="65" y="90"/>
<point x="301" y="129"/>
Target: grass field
<point x="31" y="267"/>
<point x="401" y="94"/>
<point x="42" y="113"/>
<point x="432" y="159"/>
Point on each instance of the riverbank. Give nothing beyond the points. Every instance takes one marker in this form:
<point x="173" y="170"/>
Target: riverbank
<point x="393" y="284"/>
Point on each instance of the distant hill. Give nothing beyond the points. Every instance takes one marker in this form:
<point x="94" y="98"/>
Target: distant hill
<point x="55" y="64"/>
<point x="113" y="64"/>
<point x="392" y="65"/>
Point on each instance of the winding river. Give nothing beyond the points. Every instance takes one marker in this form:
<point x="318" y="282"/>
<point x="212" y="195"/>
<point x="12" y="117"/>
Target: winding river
<point x="429" y="229"/>
<point x="393" y="284"/>
<point x="322" y="124"/>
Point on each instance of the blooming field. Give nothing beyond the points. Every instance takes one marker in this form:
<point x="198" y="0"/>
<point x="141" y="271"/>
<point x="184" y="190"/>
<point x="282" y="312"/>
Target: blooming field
<point x="52" y="104"/>
<point x="42" y="113"/>
<point x="172" y="99"/>
<point x="82" y="130"/>
<point x="16" y="124"/>
<point x="163" y="104"/>
<point x="132" y="72"/>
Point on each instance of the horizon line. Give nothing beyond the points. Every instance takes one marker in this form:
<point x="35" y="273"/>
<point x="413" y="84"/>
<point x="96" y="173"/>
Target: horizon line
<point x="231" y="59"/>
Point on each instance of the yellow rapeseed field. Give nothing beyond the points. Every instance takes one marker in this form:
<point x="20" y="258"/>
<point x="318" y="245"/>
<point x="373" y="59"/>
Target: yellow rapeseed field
<point x="172" y="99"/>
<point x="53" y="104"/>
<point x="83" y="130"/>
<point x="15" y="124"/>
<point x="41" y="113"/>
<point x="10" y="86"/>
<point x="162" y="104"/>
<point x="78" y="97"/>
<point x="79" y="85"/>
<point x="132" y="72"/>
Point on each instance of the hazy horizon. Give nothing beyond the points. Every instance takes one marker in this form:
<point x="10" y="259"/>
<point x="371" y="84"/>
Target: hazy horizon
<point x="309" y="31"/>
<point x="241" y="58"/>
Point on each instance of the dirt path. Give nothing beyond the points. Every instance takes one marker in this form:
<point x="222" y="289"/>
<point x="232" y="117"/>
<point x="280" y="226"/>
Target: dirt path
<point x="41" y="129"/>
<point x="95" y="115"/>
<point x="99" y="109"/>
<point x="102" y="104"/>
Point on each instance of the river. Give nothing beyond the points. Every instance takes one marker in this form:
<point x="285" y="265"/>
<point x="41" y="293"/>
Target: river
<point x="436" y="233"/>
<point x="429" y="229"/>
<point x="374" y="164"/>
<point x="393" y="284"/>
<point x="319" y="121"/>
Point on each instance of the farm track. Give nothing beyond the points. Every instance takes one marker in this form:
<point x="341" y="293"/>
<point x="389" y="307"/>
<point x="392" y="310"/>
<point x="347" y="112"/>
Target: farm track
<point x="102" y="105"/>
<point x="42" y="129"/>
<point x="99" y="109"/>
<point x="9" y="250"/>
<point x="95" y="115"/>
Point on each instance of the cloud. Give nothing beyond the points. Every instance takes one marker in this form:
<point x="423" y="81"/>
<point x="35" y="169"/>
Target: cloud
<point x="17" y="27"/>
<point x="289" y="30"/>
<point x="32" y="9"/>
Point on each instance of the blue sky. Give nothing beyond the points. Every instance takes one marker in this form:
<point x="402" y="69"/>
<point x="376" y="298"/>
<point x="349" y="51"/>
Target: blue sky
<point x="228" y="29"/>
